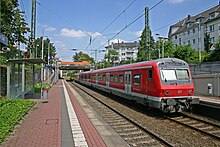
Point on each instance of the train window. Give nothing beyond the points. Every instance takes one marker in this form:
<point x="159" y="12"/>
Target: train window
<point x="182" y="74"/>
<point x="168" y="74"/>
<point x="137" y="79"/>
<point x="111" y="78"/>
<point x="103" y="77"/>
<point x="116" y="78"/>
<point x="99" y="77"/>
<point x="121" y="79"/>
<point x="94" y="77"/>
<point x="150" y="75"/>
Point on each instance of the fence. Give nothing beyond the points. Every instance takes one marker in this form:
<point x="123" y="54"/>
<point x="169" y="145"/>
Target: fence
<point x="205" y="68"/>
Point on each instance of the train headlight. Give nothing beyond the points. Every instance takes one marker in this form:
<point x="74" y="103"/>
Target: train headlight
<point x="166" y="93"/>
<point x="189" y="92"/>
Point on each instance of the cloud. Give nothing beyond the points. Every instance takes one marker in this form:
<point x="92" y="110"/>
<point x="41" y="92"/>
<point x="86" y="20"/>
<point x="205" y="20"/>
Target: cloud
<point x="94" y="34"/>
<point x="137" y="33"/>
<point x="60" y="44"/>
<point x="47" y="28"/>
<point x="77" y="33"/>
<point x="176" y="1"/>
<point x="50" y="29"/>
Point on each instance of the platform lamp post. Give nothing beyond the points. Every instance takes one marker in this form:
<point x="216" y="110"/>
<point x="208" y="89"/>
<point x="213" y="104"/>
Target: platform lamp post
<point x="199" y="40"/>
<point x="96" y="56"/>
<point x="36" y="47"/>
<point x="48" y="61"/>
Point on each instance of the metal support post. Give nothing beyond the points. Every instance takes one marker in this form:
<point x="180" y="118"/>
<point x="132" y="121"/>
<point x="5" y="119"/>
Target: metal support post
<point x="8" y="81"/>
<point x="23" y="78"/>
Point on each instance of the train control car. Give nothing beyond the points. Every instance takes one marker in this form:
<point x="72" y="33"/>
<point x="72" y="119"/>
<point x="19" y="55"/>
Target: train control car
<point x="165" y="84"/>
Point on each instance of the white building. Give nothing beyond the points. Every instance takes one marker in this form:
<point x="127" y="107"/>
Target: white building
<point x="192" y="30"/>
<point x="126" y="50"/>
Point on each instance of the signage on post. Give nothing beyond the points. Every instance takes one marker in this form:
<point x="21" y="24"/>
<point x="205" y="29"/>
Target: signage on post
<point x="3" y="39"/>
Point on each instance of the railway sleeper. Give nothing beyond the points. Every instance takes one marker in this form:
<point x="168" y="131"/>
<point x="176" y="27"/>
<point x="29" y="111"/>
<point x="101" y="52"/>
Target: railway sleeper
<point x="198" y="125"/>
<point x="138" y="133"/>
<point x="150" y="142"/>
<point x="127" y="129"/>
<point x="124" y="126"/>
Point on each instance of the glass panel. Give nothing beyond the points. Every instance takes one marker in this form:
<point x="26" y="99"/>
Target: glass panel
<point x="182" y="74"/>
<point x="150" y="75"/>
<point x="137" y="79"/>
<point x="121" y="79"/>
<point x="168" y="74"/>
<point x="111" y="78"/>
<point x="116" y="78"/>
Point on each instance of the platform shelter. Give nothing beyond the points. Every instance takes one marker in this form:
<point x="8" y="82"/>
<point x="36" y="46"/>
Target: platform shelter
<point x="22" y="76"/>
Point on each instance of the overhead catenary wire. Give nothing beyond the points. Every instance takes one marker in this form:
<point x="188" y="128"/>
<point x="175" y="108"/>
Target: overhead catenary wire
<point x="23" y="8"/>
<point x="67" y="21"/>
<point x="123" y="12"/>
<point x="132" y="22"/>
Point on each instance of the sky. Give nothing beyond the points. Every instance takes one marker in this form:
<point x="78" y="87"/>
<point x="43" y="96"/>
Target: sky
<point x="89" y="25"/>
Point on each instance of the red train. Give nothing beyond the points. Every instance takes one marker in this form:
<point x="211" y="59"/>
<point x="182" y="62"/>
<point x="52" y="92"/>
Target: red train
<point x="165" y="84"/>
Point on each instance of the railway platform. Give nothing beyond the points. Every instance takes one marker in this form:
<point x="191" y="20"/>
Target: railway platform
<point x="209" y="101"/>
<point x="63" y="119"/>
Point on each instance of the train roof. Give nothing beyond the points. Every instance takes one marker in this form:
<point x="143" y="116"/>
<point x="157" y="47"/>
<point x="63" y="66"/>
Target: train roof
<point x="139" y="64"/>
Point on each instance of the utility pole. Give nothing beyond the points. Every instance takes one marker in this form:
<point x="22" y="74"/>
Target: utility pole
<point x="42" y="57"/>
<point x="147" y="41"/>
<point x="0" y="22"/>
<point x="33" y="28"/>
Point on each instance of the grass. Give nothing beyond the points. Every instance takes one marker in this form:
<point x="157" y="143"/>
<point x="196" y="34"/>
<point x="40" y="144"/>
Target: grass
<point x="11" y="112"/>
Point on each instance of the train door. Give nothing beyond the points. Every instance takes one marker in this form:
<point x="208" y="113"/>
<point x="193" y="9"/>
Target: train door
<point x="107" y="80"/>
<point x="96" y="78"/>
<point x="128" y="82"/>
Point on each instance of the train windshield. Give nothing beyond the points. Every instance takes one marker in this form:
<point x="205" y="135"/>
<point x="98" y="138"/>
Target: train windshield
<point x="174" y="74"/>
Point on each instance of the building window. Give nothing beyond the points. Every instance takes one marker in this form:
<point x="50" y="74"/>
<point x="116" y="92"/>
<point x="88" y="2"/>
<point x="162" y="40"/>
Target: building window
<point x="179" y="40"/>
<point x="194" y="41"/>
<point x="212" y="39"/>
<point x="188" y="32"/>
<point x="194" y="31"/>
<point x="189" y="42"/>
<point x="184" y="42"/>
<point x="212" y="15"/>
<point x="137" y="79"/>
<point x="175" y="37"/>
<point x="211" y="28"/>
<point x="121" y="79"/>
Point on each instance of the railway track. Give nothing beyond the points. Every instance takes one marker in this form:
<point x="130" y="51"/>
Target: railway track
<point x="205" y="127"/>
<point x="132" y="132"/>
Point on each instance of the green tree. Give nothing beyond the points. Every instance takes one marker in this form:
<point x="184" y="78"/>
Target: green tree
<point x="79" y="57"/>
<point x="215" y="54"/>
<point x="13" y="24"/>
<point x="143" y="50"/>
<point x="207" y="42"/>
<point x="111" y="57"/>
<point x="186" y="53"/>
<point x="38" y="48"/>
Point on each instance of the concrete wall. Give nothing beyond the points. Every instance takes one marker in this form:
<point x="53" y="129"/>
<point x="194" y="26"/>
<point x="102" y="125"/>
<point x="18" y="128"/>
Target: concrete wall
<point x="201" y="84"/>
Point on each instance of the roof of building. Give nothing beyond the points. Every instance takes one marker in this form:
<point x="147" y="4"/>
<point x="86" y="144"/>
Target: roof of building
<point x="28" y="60"/>
<point x="123" y="44"/>
<point x="181" y="25"/>
<point x="78" y="63"/>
